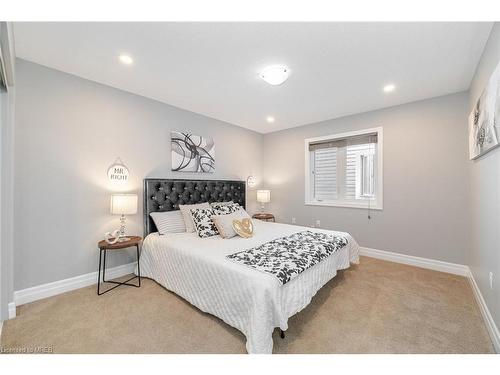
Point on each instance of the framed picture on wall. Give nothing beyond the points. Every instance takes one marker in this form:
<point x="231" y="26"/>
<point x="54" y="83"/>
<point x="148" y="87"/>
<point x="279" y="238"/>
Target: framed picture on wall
<point x="192" y="153"/>
<point x="484" y="119"/>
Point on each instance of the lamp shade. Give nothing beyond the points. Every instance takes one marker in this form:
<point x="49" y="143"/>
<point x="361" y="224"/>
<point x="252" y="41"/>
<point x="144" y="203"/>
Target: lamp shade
<point x="124" y="204"/>
<point x="264" y="196"/>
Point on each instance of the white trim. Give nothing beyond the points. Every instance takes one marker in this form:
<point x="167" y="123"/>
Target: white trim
<point x="343" y="135"/>
<point x="12" y="310"/>
<point x="360" y="204"/>
<point x="66" y="285"/>
<point x="379" y="203"/>
<point x="453" y="268"/>
<point x="485" y="312"/>
<point x="57" y="287"/>
<point x="431" y="264"/>
<point x="7" y="54"/>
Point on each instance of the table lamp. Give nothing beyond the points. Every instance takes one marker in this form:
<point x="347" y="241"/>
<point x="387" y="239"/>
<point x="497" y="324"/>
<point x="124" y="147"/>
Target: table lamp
<point x="123" y="204"/>
<point x="263" y="196"/>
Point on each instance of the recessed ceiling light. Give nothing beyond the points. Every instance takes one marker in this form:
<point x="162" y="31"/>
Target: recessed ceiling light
<point x="126" y="59"/>
<point x="270" y="119"/>
<point x="275" y="74"/>
<point x="389" y="88"/>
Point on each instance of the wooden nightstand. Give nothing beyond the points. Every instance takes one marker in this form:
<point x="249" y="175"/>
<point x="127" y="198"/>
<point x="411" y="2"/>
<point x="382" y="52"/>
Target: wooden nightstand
<point x="264" y="217"/>
<point x="104" y="247"/>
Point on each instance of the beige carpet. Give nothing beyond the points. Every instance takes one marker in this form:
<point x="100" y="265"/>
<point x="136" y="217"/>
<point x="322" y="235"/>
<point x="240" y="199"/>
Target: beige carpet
<point x="376" y="307"/>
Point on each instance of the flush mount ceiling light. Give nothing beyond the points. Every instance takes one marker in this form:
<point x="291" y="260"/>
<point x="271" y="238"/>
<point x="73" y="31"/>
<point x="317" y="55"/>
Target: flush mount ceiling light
<point x="275" y="74"/>
<point x="270" y="119"/>
<point x="125" y="59"/>
<point x="389" y="87"/>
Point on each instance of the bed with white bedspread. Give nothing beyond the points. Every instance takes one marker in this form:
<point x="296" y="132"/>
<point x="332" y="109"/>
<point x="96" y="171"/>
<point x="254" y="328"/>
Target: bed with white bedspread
<point x="252" y="301"/>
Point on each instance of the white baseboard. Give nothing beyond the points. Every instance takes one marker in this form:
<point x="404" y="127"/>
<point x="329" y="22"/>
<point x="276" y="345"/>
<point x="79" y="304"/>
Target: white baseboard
<point x="12" y="314"/>
<point x="12" y="310"/>
<point x="453" y="268"/>
<point x="57" y="287"/>
<point x="485" y="312"/>
<point x="436" y="265"/>
<point x="51" y="289"/>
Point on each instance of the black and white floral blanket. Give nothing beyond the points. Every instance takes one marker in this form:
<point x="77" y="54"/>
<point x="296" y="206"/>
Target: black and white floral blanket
<point x="287" y="257"/>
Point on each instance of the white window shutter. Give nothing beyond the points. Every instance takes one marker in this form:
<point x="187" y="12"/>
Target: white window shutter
<point x="325" y="174"/>
<point x="345" y="170"/>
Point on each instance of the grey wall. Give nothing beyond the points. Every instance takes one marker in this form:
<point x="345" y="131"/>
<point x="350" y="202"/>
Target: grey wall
<point x="426" y="180"/>
<point x="68" y="131"/>
<point x="484" y="255"/>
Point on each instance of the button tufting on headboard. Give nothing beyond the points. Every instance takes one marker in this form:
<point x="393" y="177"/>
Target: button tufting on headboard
<point x="167" y="194"/>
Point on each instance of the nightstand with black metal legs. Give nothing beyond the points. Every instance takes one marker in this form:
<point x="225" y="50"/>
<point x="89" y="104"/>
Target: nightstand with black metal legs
<point x="103" y="248"/>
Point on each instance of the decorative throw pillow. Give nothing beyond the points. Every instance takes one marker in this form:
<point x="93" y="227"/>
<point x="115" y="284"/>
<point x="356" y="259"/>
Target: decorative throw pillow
<point x="226" y="208"/>
<point x="202" y="218"/>
<point x="186" y="214"/>
<point x="244" y="228"/>
<point x="224" y="223"/>
<point x="168" y="221"/>
<point x="215" y="204"/>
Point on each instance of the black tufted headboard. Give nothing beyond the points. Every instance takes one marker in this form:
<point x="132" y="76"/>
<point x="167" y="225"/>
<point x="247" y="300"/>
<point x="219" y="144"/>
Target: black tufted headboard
<point x="167" y="194"/>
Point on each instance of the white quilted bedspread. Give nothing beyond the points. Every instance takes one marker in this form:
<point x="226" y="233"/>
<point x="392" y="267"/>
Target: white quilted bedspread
<point x="252" y="301"/>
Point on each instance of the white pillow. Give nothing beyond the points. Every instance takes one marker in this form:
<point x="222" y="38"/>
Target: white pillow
<point x="215" y="204"/>
<point x="224" y="223"/>
<point x="186" y="214"/>
<point x="168" y="221"/>
<point x="225" y="208"/>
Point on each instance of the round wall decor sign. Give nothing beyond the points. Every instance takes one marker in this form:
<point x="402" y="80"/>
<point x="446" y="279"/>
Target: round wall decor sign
<point x="118" y="171"/>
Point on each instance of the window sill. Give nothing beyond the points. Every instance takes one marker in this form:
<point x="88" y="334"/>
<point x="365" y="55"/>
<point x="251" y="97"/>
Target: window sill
<point x="362" y="205"/>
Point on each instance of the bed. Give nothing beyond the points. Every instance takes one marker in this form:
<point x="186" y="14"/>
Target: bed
<point x="197" y="269"/>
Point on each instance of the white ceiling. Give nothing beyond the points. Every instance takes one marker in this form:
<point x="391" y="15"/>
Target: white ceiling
<point x="212" y="68"/>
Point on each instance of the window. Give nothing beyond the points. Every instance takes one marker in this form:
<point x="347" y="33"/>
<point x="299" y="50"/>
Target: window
<point x="345" y="169"/>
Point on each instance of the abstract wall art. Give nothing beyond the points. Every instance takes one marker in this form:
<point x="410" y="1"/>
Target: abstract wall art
<point x="192" y="153"/>
<point x="484" y="119"/>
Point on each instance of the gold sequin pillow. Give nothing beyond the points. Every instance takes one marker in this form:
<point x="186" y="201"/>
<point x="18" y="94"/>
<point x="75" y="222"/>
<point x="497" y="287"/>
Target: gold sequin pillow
<point x="244" y="227"/>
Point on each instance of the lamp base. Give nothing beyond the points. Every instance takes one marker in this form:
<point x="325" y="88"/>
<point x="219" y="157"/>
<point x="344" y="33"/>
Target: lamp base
<point x="122" y="237"/>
